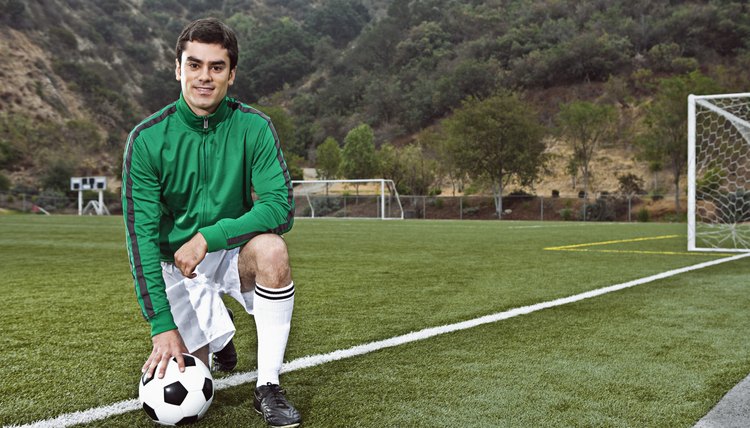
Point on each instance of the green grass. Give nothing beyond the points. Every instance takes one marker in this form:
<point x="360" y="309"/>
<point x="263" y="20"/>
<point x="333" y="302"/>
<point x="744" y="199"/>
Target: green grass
<point x="659" y="354"/>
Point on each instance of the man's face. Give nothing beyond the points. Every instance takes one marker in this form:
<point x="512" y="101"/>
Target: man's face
<point x="204" y="75"/>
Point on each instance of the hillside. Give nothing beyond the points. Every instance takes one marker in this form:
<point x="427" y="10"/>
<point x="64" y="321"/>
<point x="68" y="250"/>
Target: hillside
<point x="81" y="73"/>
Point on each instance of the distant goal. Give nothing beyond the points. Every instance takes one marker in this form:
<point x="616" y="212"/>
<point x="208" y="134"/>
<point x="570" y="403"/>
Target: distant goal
<point x="719" y="172"/>
<point x="366" y="198"/>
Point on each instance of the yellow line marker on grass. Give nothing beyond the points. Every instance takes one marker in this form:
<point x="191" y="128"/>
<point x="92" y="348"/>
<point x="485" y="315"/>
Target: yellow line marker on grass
<point x="582" y="247"/>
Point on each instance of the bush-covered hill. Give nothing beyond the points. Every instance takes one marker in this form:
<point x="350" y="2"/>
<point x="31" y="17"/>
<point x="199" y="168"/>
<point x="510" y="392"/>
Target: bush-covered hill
<point x="79" y="74"/>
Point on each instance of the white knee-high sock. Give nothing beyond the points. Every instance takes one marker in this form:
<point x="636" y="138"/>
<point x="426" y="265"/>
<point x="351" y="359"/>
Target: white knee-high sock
<point x="272" y="309"/>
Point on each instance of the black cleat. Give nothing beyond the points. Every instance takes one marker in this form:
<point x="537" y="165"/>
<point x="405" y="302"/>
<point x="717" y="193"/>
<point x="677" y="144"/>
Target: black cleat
<point x="226" y="359"/>
<point x="269" y="400"/>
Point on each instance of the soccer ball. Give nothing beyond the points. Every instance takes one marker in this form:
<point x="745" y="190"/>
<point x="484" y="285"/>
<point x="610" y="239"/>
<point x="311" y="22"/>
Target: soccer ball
<point x="179" y="397"/>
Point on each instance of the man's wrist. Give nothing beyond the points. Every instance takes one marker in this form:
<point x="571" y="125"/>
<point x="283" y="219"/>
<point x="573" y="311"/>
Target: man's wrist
<point x="202" y="241"/>
<point x="162" y="322"/>
<point x="214" y="237"/>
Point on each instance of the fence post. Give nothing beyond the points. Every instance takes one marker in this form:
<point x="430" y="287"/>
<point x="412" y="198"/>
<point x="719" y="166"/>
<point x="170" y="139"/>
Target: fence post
<point x="584" y="210"/>
<point x="630" y="208"/>
<point x="541" y="198"/>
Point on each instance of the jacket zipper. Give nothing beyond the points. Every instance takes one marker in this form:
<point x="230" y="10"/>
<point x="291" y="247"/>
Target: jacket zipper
<point x="205" y="172"/>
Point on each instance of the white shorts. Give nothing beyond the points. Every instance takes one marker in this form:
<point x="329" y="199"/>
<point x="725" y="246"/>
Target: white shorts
<point x="197" y="306"/>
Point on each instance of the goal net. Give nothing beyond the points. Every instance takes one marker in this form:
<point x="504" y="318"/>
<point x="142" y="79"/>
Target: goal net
<point x="367" y="198"/>
<point x="719" y="172"/>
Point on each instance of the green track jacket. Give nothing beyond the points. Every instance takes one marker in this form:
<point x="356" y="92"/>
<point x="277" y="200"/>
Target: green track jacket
<point x="184" y="174"/>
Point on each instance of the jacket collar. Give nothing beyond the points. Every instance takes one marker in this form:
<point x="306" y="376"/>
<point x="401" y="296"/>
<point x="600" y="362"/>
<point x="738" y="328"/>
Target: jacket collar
<point x="199" y="123"/>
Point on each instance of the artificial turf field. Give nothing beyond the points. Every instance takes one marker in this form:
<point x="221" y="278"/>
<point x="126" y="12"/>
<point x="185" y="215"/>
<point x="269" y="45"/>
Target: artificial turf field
<point x="658" y="354"/>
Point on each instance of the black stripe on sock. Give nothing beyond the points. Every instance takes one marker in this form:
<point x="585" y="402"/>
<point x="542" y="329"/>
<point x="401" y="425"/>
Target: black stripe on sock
<point x="272" y="294"/>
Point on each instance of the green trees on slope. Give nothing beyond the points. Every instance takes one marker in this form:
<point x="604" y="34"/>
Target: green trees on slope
<point x="665" y="137"/>
<point x="497" y="140"/>
<point x="585" y="125"/>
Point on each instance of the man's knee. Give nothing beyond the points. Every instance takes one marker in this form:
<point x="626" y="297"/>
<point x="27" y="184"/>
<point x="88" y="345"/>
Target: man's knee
<point x="268" y="250"/>
<point x="269" y="260"/>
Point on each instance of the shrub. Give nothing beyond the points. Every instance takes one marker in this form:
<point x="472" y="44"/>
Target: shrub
<point x="675" y="217"/>
<point x="51" y="199"/>
<point x="630" y="184"/>
<point x="471" y="189"/>
<point x="643" y="215"/>
<point x="601" y="210"/>
<point x="63" y="39"/>
<point x="566" y="214"/>
<point x="470" y="211"/>
<point x="656" y="197"/>
<point x="56" y="175"/>
<point x="4" y="183"/>
<point x="326" y="206"/>
<point x="521" y="195"/>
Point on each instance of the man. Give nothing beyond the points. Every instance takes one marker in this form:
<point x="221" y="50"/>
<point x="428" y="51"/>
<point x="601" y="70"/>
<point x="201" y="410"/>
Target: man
<point x="194" y="232"/>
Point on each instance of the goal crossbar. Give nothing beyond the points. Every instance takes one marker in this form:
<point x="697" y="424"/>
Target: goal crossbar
<point x="729" y="116"/>
<point x="384" y="186"/>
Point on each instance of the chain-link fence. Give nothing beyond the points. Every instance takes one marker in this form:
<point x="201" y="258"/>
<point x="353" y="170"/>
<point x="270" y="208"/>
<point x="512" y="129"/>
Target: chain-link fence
<point x="529" y="207"/>
<point x="514" y="207"/>
<point x="55" y="202"/>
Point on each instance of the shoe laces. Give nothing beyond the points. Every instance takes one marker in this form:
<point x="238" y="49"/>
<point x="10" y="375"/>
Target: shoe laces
<point x="276" y="394"/>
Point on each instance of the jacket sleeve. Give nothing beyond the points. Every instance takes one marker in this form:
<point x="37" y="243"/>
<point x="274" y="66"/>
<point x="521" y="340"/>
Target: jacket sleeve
<point x="142" y="213"/>
<point x="273" y="211"/>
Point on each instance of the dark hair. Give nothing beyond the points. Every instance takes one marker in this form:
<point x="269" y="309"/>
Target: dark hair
<point x="212" y="31"/>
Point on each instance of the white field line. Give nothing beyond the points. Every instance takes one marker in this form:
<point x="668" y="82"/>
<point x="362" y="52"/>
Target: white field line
<point x="125" y="406"/>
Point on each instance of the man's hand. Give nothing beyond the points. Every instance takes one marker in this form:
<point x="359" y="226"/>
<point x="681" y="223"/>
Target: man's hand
<point x="166" y="345"/>
<point x="190" y="254"/>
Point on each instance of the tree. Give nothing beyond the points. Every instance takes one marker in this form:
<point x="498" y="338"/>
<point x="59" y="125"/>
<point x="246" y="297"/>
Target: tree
<point x="159" y="88"/>
<point x="341" y="20"/>
<point x="15" y="14"/>
<point x="281" y="53"/>
<point x="585" y="125"/>
<point x="447" y="166"/>
<point x="412" y="172"/>
<point x="497" y="140"/>
<point x="630" y="184"/>
<point x="376" y="44"/>
<point x="391" y="167"/>
<point x="328" y="160"/>
<point x="665" y="138"/>
<point x="358" y="158"/>
<point x="468" y="78"/>
<point x="5" y="183"/>
<point x="15" y="139"/>
<point x="285" y="129"/>
<point x="57" y="172"/>
<point x="419" y="171"/>
<point x="294" y="164"/>
<point x="425" y="44"/>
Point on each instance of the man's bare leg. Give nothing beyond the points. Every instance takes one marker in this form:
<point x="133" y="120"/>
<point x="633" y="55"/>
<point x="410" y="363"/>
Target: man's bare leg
<point x="264" y="271"/>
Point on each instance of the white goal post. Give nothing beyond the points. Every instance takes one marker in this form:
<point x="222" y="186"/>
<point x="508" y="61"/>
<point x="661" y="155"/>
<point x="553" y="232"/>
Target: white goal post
<point x="364" y="198"/>
<point x="719" y="172"/>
